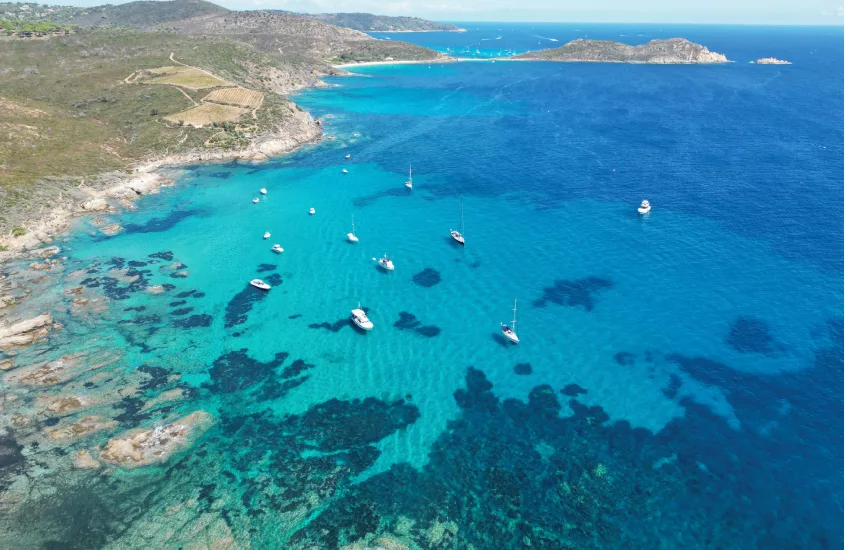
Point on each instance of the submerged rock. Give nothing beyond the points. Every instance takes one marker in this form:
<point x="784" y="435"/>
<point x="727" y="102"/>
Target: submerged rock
<point x="85" y="426"/>
<point x="111" y="229"/>
<point x="26" y="332"/>
<point x="83" y="460"/>
<point x="152" y="446"/>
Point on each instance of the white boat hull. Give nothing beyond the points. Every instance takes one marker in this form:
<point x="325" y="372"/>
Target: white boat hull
<point x="642" y="210"/>
<point x="278" y="249"/>
<point x="351" y="238"/>
<point x="359" y="317"/>
<point x="510" y="335"/>
<point x="457" y="236"/>
<point x="387" y="266"/>
<point x="261" y="285"/>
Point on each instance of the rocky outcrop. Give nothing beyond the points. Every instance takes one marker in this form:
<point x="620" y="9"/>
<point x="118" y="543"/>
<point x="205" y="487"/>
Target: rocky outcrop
<point x="772" y="61"/>
<point x="26" y="332"/>
<point x="671" y="51"/>
<point x="84" y="460"/>
<point x="111" y="229"/>
<point x="152" y="446"/>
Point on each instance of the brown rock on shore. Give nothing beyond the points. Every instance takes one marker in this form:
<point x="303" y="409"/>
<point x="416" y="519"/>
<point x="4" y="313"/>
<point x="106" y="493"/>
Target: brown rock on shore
<point x="26" y="332"/>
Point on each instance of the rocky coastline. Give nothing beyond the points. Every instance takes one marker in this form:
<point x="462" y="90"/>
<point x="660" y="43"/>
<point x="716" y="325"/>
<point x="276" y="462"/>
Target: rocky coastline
<point x="112" y="191"/>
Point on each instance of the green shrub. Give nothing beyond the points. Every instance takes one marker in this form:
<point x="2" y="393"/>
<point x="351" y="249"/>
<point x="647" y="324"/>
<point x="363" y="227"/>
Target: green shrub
<point x="18" y="232"/>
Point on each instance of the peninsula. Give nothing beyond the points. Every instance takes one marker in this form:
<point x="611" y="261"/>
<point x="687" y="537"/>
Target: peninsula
<point x="671" y="51"/>
<point x="367" y="22"/>
<point x="146" y="84"/>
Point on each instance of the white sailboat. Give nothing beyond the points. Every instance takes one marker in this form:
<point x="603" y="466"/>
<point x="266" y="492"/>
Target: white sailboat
<point x="359" y="317"/>
<point x="255" y="200"/>
<point x="266" y="234"/>
<point x="458" y="235"/>
<point x="507" y="331"/>
<point x="277" y="248"/>
<point x="351" y="236"/>
<point x="410" y="183"/>
<point x="645" y="207"/>
<point x="263" y="191"/>
<point x="386" y="263"/>
<point x="312" y="211"/>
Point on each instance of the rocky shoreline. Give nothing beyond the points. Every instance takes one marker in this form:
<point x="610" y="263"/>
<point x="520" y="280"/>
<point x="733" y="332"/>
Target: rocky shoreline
<point x="110" y="192"/>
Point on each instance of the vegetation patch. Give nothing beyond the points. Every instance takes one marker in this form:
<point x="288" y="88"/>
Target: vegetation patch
<point x="186" y="77"/>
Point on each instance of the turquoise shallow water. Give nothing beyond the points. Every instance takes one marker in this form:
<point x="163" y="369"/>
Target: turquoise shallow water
<point x="673" y="368"/>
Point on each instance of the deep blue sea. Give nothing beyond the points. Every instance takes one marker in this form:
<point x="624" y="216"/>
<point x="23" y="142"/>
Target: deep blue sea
<point x="679" y="380"/>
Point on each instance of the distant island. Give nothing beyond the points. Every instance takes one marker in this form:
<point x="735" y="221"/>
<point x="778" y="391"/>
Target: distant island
<point x="367" y="22"/>
<point x="772" y="61"/>
<point x="671" y="51"/>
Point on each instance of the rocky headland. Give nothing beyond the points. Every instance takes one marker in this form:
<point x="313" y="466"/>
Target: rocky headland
<point x="660" y="52"/>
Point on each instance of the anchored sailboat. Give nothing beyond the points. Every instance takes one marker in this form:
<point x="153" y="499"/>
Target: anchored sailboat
<point x="410" y="183"/>
<point x="458" y="235"/>
<point x="507" y="331"/>
<point x="351" y="236"/>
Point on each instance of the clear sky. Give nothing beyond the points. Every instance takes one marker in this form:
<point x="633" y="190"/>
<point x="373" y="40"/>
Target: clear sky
<point x="777" y="12"/>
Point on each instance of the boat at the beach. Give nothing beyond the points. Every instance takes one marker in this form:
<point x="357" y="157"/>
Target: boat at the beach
<point x="278" y="249"/>
<point x="258" y="283"/>
<point x="255" y="200"/>
<point x="359" y="317"/>
<point x="356" y="134"/>
<point x="312" y="211"/>
<point x="345" y="171"/>
<point x="645" y="207"/>
<point x="266" y="234"/>
<point x="386" y="263"/>
<point x="509" y="332"/>
<point x="410" y="183"/>
<point x="348" y="156"/>
<point x="263" y="191"/>
<point x="459" y="235"/>
<point x="351" y="235"/>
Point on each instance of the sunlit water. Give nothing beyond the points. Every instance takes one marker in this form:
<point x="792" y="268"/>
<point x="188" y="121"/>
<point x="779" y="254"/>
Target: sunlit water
<point x="708" y="330"/>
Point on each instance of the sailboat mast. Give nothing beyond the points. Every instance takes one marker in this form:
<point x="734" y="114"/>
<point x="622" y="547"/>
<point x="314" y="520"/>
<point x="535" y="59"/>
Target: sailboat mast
<point x="514" y="315"/>
<point x="353" y="223"/>
<point x="462" y="214"/>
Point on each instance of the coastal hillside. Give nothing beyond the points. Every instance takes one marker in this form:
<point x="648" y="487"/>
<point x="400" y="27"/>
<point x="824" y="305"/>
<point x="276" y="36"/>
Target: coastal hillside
<point x="367" y="22"/>
<point x="144" y="13"/>
<point x="671" y="51"/>
<point x="277" y="32"/>
<point x="77" y="106"/>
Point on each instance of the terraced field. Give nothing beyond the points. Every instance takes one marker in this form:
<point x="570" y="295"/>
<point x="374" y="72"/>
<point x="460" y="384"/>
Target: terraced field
<point x="207" y="113"/>
<point x="241" y="97"/>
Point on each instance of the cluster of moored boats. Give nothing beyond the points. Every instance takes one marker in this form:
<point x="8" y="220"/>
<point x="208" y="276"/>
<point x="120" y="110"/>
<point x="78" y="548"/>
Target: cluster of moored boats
<point x="358" y="315"/>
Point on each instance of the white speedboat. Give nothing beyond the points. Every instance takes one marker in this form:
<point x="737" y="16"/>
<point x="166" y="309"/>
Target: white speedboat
<point x="258" y="283"/>
<point x="345" y="171"/>
<point x="410" y="183"/>
<point x="263" y="191"/>
<point x="645" y="207"/>
<point x="312" y="211"/>
<point x="386" y="263"/>
<point x="266" y="234"/>
<point x="278" y="249"/>
<point x="509" y="332"/>
<point x="356" y="134"/>
<point x="348" y="156"/>
<point x="459" y="235"/>
<point x="359" y="317"/>
<point x="351" y="236"/>
<point x="255" y="200"/>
